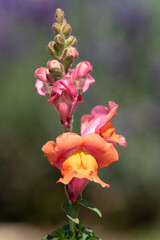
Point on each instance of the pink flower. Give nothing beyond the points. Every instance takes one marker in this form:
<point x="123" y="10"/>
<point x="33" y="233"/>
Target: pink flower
<point x="99" y="122"/>
<point x="44" y="80"/>
<point x="64" y="99"/>
<point x="82" y="69"/>
<point x="44" y="75"/>
<point x="43" y="88"/>
<point x="80" y="75"/>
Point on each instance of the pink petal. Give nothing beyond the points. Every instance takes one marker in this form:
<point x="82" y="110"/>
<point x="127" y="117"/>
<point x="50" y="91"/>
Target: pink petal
<point x="98" y="117"/>
<point x="40" y="88"/>
<point x="88" y="82"/>
<point x="65" y="84"/>
<point x="41" y="74"/>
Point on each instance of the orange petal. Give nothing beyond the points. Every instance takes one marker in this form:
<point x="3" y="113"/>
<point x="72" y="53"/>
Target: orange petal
<point x="108" y="133"/>
<point x="96" y="179"/>
<point x="66" y="179"/>
<point x="80" y="165"/>
<point x="107" y="130"/>
<point x="49" y="151"/>
<point x="56" y="152"/>
<point x="104" y="153"/>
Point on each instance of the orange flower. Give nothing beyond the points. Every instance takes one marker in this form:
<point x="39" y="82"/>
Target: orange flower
<point x="79" y="159"/>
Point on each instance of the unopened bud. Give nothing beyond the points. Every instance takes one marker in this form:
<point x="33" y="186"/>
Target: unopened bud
<point x="60" y="40"/>
<point x="51" y="48"/>
<point x="71" y="41"/>
<point x="64" y="22"/>
<point x="70" y="54"/>
<point x="59" y="15"/>
<point x="56" y="27"/>
<point x="66" y="30"/>
<point x="56" y="68"/>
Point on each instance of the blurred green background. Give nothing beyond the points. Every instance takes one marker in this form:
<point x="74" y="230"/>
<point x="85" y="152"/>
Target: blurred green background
<point x="121" y="39"/>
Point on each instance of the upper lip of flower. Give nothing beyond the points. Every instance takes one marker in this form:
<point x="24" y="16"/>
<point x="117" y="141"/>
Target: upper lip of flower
<point x="98" y="122"/>
<point x="104" y="153"/>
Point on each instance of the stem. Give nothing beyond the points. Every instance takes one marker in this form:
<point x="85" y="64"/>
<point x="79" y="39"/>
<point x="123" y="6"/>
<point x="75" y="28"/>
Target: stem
<point x="73" y="228"/>
<point x="70" y="125"/>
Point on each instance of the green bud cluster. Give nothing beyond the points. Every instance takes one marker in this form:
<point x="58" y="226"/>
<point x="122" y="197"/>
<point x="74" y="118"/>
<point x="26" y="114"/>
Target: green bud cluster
<point x="63" y="48"/>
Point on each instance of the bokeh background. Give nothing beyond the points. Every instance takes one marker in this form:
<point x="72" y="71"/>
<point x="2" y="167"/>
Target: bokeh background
<point x="121" y="39"/>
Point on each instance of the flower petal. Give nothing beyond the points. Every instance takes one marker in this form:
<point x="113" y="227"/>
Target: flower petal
<point x="104" y="153"/>
<point x="40" y="88"/>
<point x="65" y="144"/>
<point x="107" y="132"/>
<point x="89" y="80"/>
<point x="96" y="179"/>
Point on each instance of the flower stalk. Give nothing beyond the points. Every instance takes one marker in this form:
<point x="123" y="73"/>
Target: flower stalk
<point x="78" y="157"/>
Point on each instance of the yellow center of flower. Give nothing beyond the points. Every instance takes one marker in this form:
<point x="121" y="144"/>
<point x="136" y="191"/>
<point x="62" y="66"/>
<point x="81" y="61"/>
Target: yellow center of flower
<point x="79" y="164"/>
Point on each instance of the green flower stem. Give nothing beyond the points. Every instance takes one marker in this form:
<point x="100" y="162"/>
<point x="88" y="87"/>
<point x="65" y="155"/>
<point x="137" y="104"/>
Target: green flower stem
<point x="73" y="228"/>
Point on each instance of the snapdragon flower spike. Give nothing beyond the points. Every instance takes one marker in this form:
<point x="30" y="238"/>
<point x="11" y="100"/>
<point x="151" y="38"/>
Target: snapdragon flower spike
<point x="99" y="122"/>
<point x="64" y="99"/>
<point x="79" y="158"/>
<point x="80" y="76"/>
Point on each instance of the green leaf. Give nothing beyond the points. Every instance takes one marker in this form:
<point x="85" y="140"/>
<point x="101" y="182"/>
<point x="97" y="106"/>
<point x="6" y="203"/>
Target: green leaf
<point x="90" y="206"/>
<point x="71" y="211"/>
<point x="85" y="233"/>
<point x="48" y="237"/>
<point x="76" y="220"/>
<point x="84" y="236"/>
<point x="61" y="234"/>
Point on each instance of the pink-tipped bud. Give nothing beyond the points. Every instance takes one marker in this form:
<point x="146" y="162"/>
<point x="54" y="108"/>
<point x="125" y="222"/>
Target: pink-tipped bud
<point x="60" y="40"/>
<point x="71" y="52"/>
<point x="41" y="74"/>
<point x="66" y="30"/>
<point x="82" y="69"/>
<point x="56" y="27"/>
<point x="56" y="68"/>
<point x="71" y="41"/>
<point x="59" y="15"/>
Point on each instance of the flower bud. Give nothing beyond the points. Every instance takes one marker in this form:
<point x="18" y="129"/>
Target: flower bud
<point x="82" y="69"/>
<point x="70" y="54"/>
<point x="66" y="30"/>
<point x="71" y="41"/>
<point x="60" y="40"/>
<point x="56" y="68"/>
<point x="56" y="27"/>
<point x="51" y="48"/>
<point x="59" y="15"/>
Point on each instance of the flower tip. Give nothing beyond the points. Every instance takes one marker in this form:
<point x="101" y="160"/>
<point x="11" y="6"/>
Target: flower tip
<point x="90" y="68"/>
<point x="123" y="141"/>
